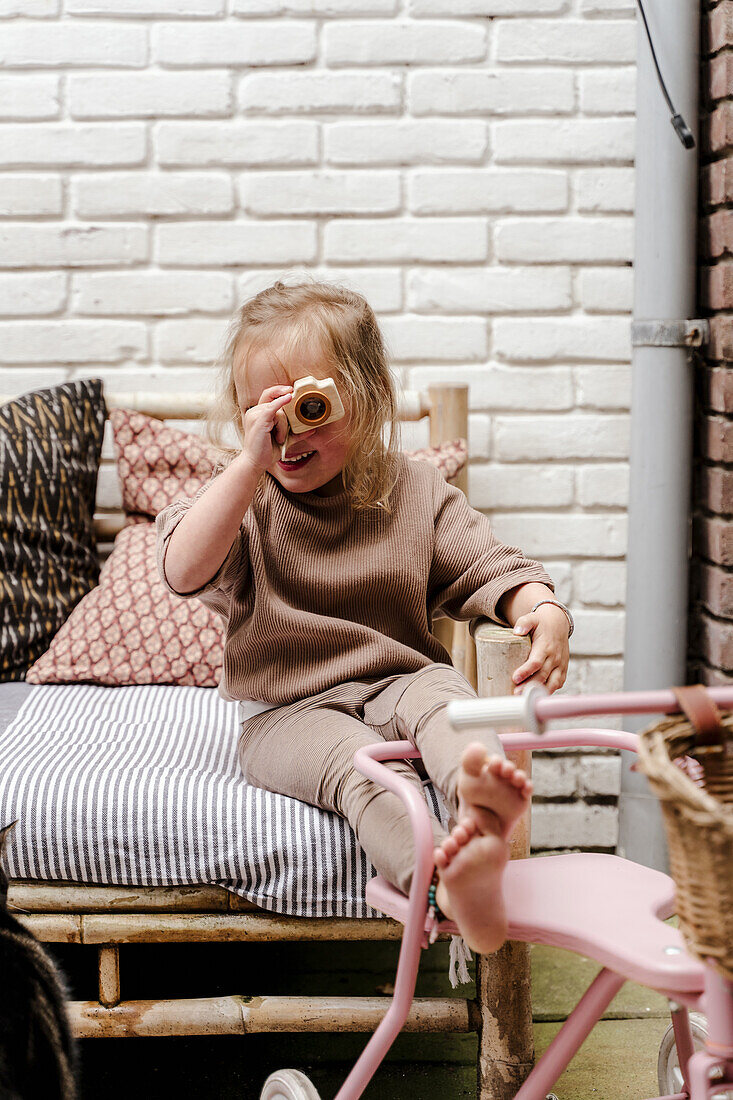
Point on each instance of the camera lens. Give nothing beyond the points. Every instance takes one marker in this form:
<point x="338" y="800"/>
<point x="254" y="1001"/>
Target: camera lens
<point x="313" y="408"/>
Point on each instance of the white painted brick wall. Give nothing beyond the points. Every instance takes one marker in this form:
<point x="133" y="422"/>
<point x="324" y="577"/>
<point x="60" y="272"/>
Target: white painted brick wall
<point x="321" y="193"/>
<point x="560" y="825"/>
<point x="478" y="191"/>
<point x="467" y="164"/>
<point x="605" y="190"/>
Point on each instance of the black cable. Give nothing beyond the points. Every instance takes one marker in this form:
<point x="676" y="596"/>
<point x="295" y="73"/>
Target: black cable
<point x="681" y="128"/>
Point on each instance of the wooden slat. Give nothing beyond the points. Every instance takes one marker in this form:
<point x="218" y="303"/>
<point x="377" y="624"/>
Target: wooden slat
<point x="413" y="404"/>
<point x="202" y="928"/>
<point x="164" y="406"/>
<point x="236" y="1015"/>
<point x="109" y="976"/>
<point x="449" y="420"/>
<point x="60" y="897"/>
<point x="53" y="927"/>
<point x="240" y="927"/>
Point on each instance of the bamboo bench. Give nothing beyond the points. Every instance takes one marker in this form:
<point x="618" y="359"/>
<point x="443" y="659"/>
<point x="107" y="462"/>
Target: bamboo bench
<point x="108" y="916"/>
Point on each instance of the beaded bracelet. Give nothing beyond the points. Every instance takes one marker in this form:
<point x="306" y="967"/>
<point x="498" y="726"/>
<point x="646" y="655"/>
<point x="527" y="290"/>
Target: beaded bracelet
<point x="562" y="607"/>
<point x="434" y="911"/>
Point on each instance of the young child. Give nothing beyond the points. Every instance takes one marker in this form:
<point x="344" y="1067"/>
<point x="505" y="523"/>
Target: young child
<point x="328" y="554"/>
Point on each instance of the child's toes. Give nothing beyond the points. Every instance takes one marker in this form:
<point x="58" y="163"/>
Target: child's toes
<point x="450" y="846"/>
<point x="469" y="824"/>
<point x="458" y="838"/>
<point x="521" y="781"/>
<point x="474" y="758"/>
<point x="440" y="859"/>
<point x="524" y="785"/>
<point x="497" y="766"/>
<point x="507" y="770"/>
<point x="461" y="834"/>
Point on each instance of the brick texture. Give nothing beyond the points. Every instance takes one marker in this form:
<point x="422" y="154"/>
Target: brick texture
<point x="719" y="27"/>
<point x="714" y="588"/>
<point x="718" y="129"/>
<point x="716" y="183"/>
<point x="711" y="591"/>
<point x="715" y="487"/>
<point x="716" y="388"/>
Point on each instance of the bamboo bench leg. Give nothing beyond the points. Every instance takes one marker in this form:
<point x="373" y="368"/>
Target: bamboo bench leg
<point x="506" y="1044"/>
<point x="109" y="976"/>
<point x="503" y="985"/>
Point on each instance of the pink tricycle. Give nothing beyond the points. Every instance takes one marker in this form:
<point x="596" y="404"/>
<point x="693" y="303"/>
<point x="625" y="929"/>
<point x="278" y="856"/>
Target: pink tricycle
<point x="600" y="906"/>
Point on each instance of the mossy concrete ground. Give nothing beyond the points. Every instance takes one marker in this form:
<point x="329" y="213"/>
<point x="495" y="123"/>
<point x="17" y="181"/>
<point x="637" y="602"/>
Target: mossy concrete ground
<point x="617" y="1061"/>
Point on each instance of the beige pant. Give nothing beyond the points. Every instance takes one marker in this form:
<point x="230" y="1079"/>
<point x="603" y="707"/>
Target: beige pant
<point x="306" y="750"/>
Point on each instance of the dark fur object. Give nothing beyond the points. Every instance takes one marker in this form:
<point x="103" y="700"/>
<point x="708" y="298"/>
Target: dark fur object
<point x="37" y="1054"/>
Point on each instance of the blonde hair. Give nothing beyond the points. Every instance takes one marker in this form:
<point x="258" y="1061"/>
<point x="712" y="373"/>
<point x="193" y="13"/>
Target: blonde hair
<point x="342" y="324"/>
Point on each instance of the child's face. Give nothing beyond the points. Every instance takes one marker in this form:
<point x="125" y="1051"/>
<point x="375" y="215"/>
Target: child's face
<point x="321" y="472"/>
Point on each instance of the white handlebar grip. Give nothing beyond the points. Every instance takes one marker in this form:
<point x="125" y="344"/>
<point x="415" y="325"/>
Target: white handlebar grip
<point x="503" y="710"/>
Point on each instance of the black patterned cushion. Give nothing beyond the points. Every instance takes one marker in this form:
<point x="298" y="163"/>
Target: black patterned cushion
<point x="50" y="445"/>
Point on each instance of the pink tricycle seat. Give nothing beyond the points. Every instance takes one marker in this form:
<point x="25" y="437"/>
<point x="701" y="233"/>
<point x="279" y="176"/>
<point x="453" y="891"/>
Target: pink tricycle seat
<point x="601" y="906"/>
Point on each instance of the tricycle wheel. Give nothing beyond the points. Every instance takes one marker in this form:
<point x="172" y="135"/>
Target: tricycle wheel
<point x="288" y="1084"/>
<point x="669" y="1073"/>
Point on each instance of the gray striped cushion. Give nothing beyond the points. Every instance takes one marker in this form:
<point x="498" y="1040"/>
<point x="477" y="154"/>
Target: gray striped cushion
<point x="141" y="786"/>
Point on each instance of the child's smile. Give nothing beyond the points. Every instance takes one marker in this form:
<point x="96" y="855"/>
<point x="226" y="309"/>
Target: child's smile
<point x="295" y="462"/>
<point x="314" y="459"/>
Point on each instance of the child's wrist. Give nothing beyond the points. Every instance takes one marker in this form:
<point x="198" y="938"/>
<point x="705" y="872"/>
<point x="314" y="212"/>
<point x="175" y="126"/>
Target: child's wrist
<point x="248" y="465"/>
<point x="556" y="603"/>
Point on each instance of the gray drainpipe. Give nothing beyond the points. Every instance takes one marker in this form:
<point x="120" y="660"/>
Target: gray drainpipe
<point x="662" y="393"/>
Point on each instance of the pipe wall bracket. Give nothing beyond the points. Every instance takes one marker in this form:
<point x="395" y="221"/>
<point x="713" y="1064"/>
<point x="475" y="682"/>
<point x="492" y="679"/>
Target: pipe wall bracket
<point x="669" y="334"/>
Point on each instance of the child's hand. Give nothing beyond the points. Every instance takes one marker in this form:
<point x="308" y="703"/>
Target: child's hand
<point x="266" y="427"/>
<point x="548" y="658"/>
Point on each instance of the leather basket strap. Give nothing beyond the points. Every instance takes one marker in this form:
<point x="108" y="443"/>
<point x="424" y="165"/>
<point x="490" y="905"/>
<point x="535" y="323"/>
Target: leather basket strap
<point x="703" y="714"/>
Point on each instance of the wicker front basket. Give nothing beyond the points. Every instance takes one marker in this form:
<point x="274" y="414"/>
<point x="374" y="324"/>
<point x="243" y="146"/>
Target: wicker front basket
<point x="697" y="805"/>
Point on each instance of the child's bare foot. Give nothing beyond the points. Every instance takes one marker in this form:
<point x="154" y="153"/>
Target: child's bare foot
<point x="492" y="794"/>
<point x="469" y="890"/>
<point x="492" y="791"/>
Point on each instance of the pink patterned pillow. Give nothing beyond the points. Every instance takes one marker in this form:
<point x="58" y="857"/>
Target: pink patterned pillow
<point x="131" y="630"/>
<point x="158" y="464"/>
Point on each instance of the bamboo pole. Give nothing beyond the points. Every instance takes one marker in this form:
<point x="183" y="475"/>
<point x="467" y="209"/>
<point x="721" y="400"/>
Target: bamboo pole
<point x="53" y="927"/>
<point x="413" y="405"/>
<point x="109" y="976"/>
<point x="503" y="988"/>
<point x="237" y="1015"/>
<point x="61" y="897"/>
<point x="449" y="420"/>
<point x="113" y="928"/>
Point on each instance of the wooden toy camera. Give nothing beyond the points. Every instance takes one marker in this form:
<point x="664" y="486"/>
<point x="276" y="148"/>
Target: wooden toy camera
<point x="315" y="402"/>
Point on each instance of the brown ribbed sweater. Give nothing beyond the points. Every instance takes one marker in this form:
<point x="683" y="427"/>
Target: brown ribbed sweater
<point x="314" y="593"/>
